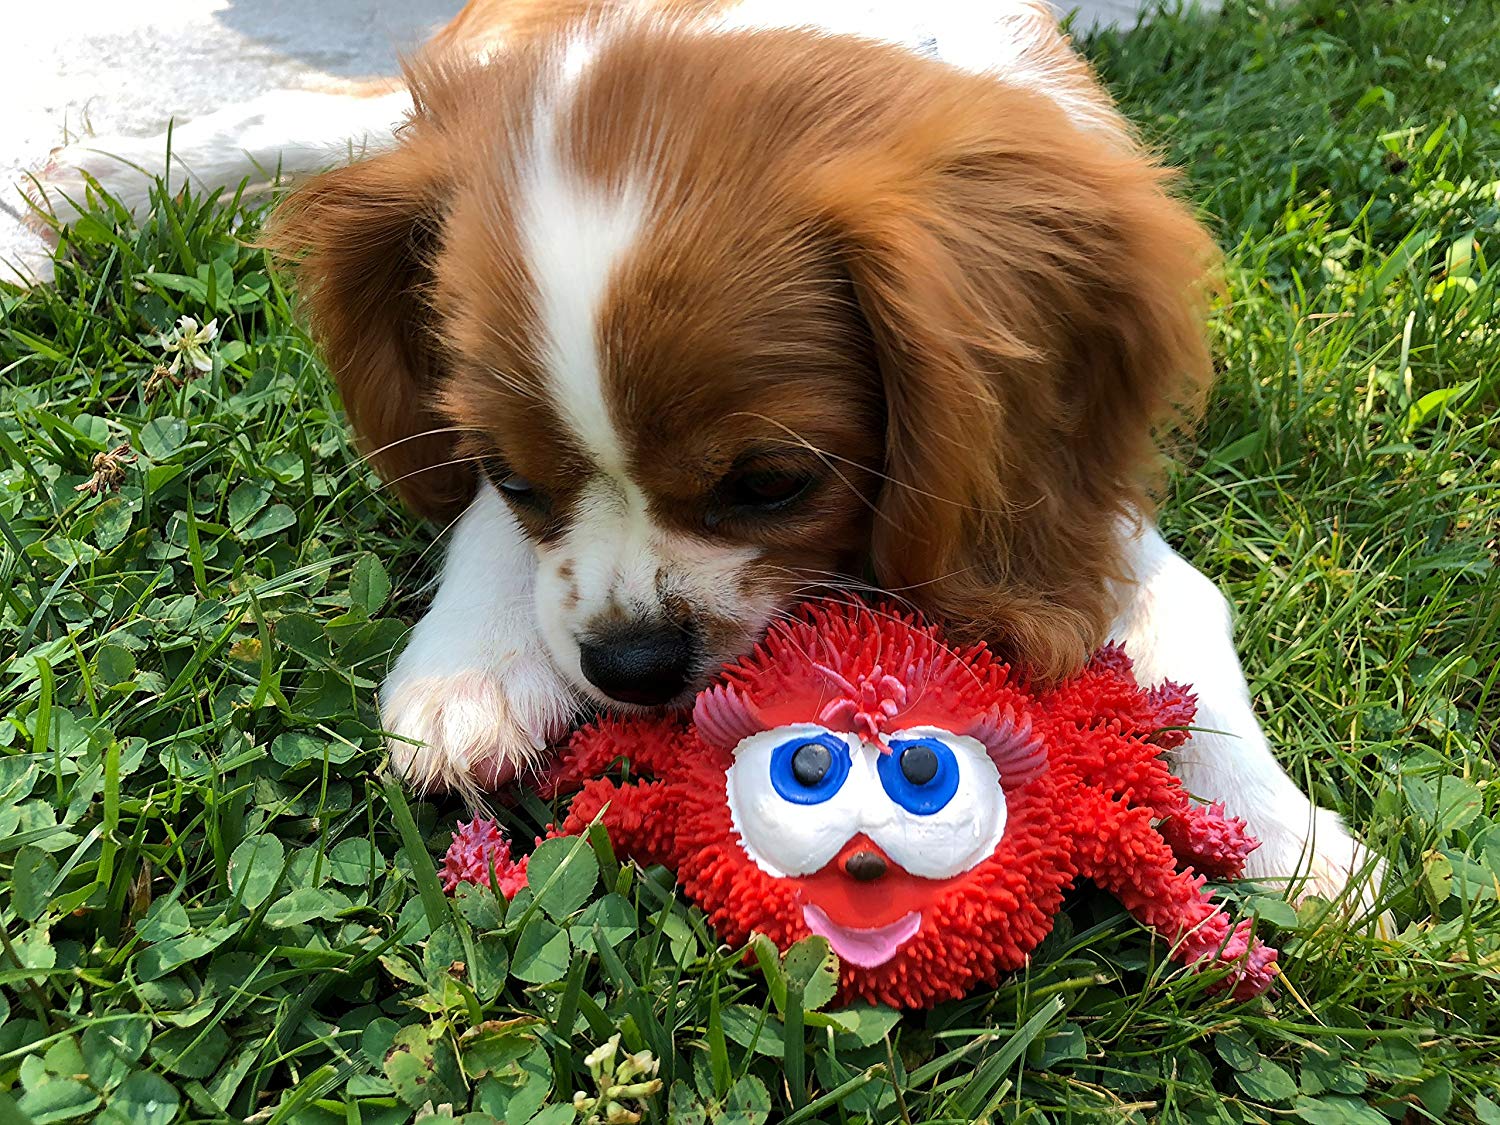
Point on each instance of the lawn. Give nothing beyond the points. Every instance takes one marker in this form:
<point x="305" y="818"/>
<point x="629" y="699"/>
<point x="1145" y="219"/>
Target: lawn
<point x="215" y="907"/>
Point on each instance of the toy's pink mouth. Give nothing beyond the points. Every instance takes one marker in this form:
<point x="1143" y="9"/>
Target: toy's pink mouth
<point x="865" y="948"/>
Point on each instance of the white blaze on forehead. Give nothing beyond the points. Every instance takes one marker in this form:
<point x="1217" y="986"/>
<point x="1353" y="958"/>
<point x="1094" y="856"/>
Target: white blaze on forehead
<point x="612" y="540"/>
<point x="574" y="235"/>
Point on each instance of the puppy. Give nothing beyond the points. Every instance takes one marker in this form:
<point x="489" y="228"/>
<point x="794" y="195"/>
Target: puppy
<point x="680" y="310"/>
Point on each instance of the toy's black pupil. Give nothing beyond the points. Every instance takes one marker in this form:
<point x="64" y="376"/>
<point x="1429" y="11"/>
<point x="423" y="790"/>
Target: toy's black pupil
<point x="810" y="763"/>
<point x="919" y="764"/>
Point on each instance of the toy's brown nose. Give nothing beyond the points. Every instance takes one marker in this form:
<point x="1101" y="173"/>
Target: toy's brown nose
<point x="865" y="866"/>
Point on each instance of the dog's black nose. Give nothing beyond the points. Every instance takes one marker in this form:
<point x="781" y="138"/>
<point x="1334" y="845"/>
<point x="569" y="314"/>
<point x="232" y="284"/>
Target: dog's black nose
<point x="648" y="663"/>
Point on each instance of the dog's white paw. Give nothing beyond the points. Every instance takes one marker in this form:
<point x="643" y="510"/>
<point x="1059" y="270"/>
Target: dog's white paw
<point x="470" y="731"/>
<point x="1323" y="859"/>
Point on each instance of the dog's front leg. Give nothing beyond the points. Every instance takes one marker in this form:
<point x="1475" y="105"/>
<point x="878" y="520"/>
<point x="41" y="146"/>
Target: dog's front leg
<point x="475" y="696"/>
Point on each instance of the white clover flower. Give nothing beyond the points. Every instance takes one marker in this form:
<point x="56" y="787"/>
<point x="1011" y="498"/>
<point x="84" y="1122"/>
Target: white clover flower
<point x="187" y="342"/>
<point x="598" y="1060"/>
<point x="632" y="1066"/>
<point x="615" y="1084"/>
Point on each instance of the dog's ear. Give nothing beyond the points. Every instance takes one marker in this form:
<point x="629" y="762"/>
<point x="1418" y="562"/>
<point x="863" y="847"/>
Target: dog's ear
<point x="359" y="239"/>
<point x="1037" y="299"/>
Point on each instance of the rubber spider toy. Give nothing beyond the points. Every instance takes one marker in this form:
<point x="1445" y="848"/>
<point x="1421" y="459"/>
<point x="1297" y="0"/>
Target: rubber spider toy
<point x="921" y="808"/>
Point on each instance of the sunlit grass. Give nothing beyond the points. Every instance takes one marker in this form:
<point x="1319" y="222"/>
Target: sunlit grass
<point x="214" y="909"/>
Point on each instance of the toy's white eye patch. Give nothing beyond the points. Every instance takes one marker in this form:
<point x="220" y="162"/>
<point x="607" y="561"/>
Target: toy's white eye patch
<point x="798" y="793"/>
<point x="944" y="808"/>
<point x="792" y="798"/>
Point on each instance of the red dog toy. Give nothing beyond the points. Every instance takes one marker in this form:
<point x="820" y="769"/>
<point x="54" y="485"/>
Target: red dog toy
<point x="921" y="808"/>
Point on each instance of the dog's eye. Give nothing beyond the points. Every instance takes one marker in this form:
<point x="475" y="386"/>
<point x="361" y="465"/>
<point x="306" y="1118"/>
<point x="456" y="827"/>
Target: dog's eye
<point x="767" y="488"/>
<point x="516" y="488"/>
<point x="752" y="492"/>
<point x="514" y="484"/>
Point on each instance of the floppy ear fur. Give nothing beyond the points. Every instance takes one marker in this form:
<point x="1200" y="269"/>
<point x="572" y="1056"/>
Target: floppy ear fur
<point x="1037" y="298"/>
<point x="359" y="237"/>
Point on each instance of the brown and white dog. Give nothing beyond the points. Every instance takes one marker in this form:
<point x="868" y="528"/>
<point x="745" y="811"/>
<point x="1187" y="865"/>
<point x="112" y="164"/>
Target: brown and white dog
<point x="686" y="308"/>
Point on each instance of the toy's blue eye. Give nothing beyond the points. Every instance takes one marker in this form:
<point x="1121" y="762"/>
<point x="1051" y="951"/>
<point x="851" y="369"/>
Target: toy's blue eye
<point x="919" y="774"/>
<point x="810" y="769"/>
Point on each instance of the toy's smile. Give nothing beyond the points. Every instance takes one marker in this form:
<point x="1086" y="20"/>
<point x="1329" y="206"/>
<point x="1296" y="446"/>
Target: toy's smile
<point x="873" y="828"/>
<point x="865" y="904"/>
<point x="863" y="947"/>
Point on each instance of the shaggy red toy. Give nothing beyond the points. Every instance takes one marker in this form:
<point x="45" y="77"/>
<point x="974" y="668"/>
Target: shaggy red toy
<point x="921" y="808"/>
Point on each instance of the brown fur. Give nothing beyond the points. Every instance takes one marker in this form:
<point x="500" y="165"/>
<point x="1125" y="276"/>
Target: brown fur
<point x="973" y="310"/>
<point x="360" y="236"/>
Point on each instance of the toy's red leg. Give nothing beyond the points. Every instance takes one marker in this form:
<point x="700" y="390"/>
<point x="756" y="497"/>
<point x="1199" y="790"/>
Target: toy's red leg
<point x="1122" y="852"/>
<point x="1133" y="771"/>
<point x="1130" y="769"/>
<point x="638" y="818"/>
<point x="651" y="746"/>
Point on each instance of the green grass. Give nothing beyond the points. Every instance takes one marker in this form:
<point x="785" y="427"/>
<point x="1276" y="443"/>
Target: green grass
<point x="215" y="909"/>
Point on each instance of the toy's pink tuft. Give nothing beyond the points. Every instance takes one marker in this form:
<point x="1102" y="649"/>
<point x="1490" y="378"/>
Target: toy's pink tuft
<point x="865" y="705"/>
<point x="868" y="670"/>
<point x="477" y="847"/>
<point x="1213" y="842"/>
<point x="1250" y="961"/>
